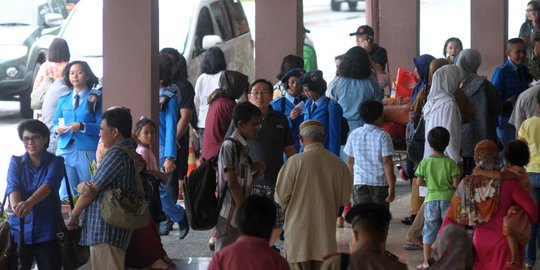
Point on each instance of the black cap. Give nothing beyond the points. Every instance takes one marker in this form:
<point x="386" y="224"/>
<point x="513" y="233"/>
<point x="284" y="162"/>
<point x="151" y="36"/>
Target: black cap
<point x="306" y="30"/>
<point x="293" y="72"/>
<point x="364" y="30"/>
<point x="378" y="212"/>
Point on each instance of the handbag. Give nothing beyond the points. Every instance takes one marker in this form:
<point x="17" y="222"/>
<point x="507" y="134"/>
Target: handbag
<point x="72" y="254"/>
<point x="121" y="211"/>
<point x="38" y="95"/>
<point x="6" y="244"/>
<point x="415" y="149"/>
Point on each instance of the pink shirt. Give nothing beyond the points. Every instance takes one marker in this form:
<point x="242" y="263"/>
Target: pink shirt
<point x="148" y="156"/>
<point x="248" y="253"/>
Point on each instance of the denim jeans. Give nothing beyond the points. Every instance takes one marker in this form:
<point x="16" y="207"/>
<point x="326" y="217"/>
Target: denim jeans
<point x="534" y="242"/>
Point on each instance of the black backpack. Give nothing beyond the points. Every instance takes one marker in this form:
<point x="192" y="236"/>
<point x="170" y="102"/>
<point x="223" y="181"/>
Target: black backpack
<point x="201" y="205"/>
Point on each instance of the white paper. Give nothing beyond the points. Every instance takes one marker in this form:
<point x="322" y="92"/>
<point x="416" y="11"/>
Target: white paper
<point x="422" y="191"/>
<point x="301" y="105"/>
<point x="61" y="122"/>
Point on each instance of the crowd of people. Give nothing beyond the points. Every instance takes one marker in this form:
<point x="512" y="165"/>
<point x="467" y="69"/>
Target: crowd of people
<point x="293" y="159"/>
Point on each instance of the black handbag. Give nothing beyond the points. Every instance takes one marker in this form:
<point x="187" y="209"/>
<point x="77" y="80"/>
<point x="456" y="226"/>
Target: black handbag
<point x="415" y="150"/>
<point x="72" y="254"/>
<point x="6" y="242"/>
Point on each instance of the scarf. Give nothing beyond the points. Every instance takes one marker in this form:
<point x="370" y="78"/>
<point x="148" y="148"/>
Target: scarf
<point x="477" y="197"/>
<point x="445" y="82"/>
<point x="232" y="84"/>
<point x="421" y="63"/>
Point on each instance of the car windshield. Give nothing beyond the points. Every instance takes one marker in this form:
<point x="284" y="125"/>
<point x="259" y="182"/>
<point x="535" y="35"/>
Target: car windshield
<point x="84" y="31"/>
<point x="19" y="12"/>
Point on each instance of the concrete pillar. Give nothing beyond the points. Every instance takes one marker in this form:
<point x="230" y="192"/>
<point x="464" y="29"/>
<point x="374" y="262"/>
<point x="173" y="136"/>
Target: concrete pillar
<point x="398" y="33"/>
<point x="372" y="16"/>
<point x="280" y="32"/>
<point x="489" y="24"/>
<point x="131" y="56"/>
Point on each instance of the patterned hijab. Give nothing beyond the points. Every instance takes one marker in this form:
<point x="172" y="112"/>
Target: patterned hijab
<point x="477" y="197"/>
<point x="232" y="84"/>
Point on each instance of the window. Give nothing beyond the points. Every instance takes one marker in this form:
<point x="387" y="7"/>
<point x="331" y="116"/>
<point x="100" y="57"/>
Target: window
<point x="239" y="22"/>
<point x="222" y="21"/>
<point x="204" y="28"/>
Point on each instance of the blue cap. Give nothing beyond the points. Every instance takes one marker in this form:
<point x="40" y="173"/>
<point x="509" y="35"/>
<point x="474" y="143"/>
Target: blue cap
<point x="314" y="81"/>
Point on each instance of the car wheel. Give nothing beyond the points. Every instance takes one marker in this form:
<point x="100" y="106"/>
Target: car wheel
<point x="336" y="6"/>
<point x="353" y="5"/>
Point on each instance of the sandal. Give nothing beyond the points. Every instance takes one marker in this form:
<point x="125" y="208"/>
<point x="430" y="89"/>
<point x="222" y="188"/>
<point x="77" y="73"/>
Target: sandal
<point x="422" y="266"/>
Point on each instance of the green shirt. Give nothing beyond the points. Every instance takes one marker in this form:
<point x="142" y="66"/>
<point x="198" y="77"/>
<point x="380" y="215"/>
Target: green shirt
<point x="438" y="173"/>
<point x="310" y="58"/>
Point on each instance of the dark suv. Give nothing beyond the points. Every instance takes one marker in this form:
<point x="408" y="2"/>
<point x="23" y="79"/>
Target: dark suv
<point x="22" y="23"/>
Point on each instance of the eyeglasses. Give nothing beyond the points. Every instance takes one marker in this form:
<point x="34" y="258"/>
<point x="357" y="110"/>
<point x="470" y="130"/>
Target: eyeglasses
<point x="34" y="138"/>
<point x="259" y="93"/>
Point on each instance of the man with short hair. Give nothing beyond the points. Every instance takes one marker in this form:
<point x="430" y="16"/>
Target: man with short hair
<point x="370" y="223"/>
<point x="310" y="187"/>
<point x="365" y="38"/>
<point x="256" y="218"/>
<point x="510" y="79"/>
<point x="107" y="243"/>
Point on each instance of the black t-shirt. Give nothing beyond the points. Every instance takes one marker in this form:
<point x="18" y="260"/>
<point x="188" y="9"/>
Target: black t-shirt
<point x="269" y="146"/>
<point x="186" y="97"/>
<point x="378" y="55"/>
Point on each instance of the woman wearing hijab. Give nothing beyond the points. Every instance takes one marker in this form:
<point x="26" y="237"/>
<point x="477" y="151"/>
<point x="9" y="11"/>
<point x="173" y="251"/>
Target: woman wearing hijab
<point x="441" y="109"/>
<point x="232" y="85"/>
<point x="487" y="106"/>
<point x="452" y="249"/>
<point x="483" y="202"/>
<point x="421" y="63"/>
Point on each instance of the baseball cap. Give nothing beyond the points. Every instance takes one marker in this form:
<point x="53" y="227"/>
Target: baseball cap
<point x="363" y="30"/>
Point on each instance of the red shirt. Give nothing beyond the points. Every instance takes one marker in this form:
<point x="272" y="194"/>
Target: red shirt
<point x="248" y="253"/>
<point x="217" y="123"/>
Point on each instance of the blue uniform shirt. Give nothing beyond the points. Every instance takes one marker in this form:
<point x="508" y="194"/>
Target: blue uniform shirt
<point x="168" y="119"/>
<point x="40" y="223"/>
<point x="510" y="80"/>
<point x="331" y="120"/>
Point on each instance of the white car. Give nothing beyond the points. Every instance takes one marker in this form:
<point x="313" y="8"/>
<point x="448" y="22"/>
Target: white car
<point x="190" y="26"/>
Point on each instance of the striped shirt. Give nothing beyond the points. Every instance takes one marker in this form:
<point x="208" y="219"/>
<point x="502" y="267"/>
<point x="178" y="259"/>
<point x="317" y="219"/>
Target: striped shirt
<point x="229" y="158"/>
<point x="368" y="145"/>
<point x="116" y="170"/>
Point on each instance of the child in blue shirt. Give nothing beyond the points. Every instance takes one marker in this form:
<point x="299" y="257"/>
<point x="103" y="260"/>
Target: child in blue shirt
<point x="440" y="174"/>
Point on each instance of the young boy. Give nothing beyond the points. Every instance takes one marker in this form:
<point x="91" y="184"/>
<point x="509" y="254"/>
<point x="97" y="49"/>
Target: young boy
<point x="440" y="174"/>
<point x="369" y="149"/>
<point x="236" y="170"/>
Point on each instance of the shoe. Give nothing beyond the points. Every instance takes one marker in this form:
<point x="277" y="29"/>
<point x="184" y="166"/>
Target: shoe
<point x="339" y="222"/>
<point x="422" y="266"/>
<point x="170" y="224"/>
<point x="411" y="246"/>
<point x="164" y="230"/>
<point x="276" y="249"/>
<point x="183" y="227"/>
<point x="408" y="220"/>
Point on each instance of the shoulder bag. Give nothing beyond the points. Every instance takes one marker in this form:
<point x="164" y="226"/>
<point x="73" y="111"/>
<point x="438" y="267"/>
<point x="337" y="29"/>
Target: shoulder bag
<point x="415" y="150"/>
<point x="121" y="211"/>
<point x="72" y="254"/>
<point x="6" y="246"/>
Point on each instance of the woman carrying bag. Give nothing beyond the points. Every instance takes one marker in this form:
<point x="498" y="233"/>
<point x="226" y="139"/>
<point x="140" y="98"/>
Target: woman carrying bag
<point x="32" y="181"/>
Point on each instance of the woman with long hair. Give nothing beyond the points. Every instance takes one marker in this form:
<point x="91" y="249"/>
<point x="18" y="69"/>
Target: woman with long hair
<point x="530" y="26"/>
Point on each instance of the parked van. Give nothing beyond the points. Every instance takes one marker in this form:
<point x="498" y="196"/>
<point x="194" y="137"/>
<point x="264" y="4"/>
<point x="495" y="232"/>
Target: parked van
<point x="190" y="26"/>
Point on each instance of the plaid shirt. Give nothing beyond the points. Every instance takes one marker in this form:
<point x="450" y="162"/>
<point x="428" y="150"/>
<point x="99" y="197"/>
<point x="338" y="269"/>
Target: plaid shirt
<point x="368" y="145"/>
<point x="118" y="170"/>
<point x="229" y="158"/>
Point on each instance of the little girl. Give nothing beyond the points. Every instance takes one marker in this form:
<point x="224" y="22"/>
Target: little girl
<point x="452" y="48"/>
<point x="516" y="224"/>
<point x="145" y="248"/>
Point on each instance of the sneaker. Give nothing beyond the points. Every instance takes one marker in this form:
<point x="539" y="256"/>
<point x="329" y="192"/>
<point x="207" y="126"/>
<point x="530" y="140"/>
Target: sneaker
<point x="183" y="227"/>
<point x="164" y="230"/>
